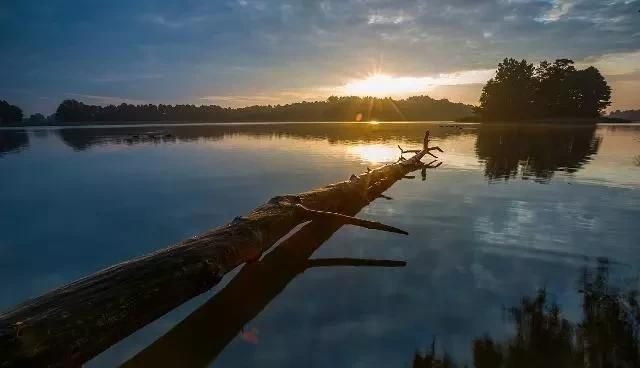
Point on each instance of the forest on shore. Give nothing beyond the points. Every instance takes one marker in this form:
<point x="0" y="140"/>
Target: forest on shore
<point x="550" y="90"/>
<point x="633" y="115"/>
<point x="349" y="108"/>
<point x="520" y="91"/>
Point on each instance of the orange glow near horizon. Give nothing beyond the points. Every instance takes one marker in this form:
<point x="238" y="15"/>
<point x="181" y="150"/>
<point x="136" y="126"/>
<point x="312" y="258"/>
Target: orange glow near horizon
<point x="381" y="85"/>
<point x="385" y="85"/>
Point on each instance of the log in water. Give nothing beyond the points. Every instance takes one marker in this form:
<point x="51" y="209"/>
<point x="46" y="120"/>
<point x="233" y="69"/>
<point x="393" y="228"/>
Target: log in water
<point x="72" y="324"/>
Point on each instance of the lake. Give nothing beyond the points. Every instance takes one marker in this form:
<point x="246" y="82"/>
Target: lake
<point x="512" y="209"/>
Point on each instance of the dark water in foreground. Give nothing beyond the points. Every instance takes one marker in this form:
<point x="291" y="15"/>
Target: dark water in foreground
<point x="511" y="210"/>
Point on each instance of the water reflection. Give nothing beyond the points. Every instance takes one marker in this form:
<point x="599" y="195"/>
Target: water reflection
<point x="466" y="235"/>
<point x="82" y="139"/>
<point x="201" y="337"/>
<point x="534" y="151"/>
<point x="607" y="336"/>
<point x="13" y="141"/>
<point x="507" y="151"/>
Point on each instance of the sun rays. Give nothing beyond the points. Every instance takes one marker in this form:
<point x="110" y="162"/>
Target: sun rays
<point x="379" y="84"/>
<point x="383" y="85"/>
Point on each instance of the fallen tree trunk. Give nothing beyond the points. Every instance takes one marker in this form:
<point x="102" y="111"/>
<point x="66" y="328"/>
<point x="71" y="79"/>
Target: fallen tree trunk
<point x="193" y="343"/>
<point x="72" y="324"/>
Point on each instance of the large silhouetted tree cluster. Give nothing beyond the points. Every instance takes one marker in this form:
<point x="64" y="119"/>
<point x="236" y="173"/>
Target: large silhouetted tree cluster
<point x="521" y="90"/>
<point x="332" y="109"/>
<point x="9" y="113"/>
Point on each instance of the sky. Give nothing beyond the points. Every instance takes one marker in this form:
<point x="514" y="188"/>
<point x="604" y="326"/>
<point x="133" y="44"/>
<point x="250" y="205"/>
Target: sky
<point x="246" y="52"/>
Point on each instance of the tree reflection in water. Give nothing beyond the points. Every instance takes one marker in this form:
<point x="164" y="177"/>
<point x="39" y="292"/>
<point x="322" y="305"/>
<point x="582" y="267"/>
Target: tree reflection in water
<point x="534" y="151"/>
<point x="607" y="336"/>
<point x="409" y="133"/>
<point x="13" y="141"/>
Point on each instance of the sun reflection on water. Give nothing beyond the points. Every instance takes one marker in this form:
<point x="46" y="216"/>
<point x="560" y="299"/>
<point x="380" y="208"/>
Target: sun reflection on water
<point x="374" y="153"/>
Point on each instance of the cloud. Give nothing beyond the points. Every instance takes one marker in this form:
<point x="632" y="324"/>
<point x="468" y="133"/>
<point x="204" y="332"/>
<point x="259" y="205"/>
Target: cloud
<point x="615" y="63"/>
<point x="116" y="77"/>
<point x="238" y="47"/>
<point x="105" y="100"/>
<point x="558" y="9"/>
<point x="385" y="85"/>
<point x="378" y="18"/>
<point x="161" y="20"/>
<point x="269" y="97"/>
<point x="469" y="82"/>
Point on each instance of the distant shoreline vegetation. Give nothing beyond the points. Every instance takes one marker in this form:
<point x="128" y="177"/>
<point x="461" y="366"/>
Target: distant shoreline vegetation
<point x="553" y="93"/>
<point x="417" y="108"/>
<point x="633" y="115"/>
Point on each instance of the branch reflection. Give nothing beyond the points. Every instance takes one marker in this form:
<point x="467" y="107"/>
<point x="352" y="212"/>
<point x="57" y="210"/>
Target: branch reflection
<point x="201" y="337"/>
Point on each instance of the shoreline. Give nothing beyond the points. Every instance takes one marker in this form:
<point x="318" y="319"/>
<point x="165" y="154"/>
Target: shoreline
<point x="115" y="124"/>
<point x="204" y="123"/>
<point x="559" y="121"/>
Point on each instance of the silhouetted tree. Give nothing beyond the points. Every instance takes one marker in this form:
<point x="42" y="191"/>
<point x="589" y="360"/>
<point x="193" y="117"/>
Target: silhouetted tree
<point x="510" y="94"/>
<point x="37" y="118"/>
<point x="553" y="97"/>
<point x="609" y="334"/>
<point x="9" y="113"/>
<point x="486" y="353"/>
<point x="590" y="93"/>
<point x="607" y="337"/>
<point x="521" y="91"/>
<point x="74" y="111"/>
<point x="430" y="359"/>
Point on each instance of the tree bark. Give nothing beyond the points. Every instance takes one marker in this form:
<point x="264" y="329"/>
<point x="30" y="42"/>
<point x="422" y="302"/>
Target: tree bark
<point x="72" y="324"/>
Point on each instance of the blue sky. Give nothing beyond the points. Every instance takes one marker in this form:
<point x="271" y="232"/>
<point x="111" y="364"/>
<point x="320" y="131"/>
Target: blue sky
<point x="243" y="52"/>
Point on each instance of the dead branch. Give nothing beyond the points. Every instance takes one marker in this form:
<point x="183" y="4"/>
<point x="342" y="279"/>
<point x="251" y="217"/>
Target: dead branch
<point x="70" y="325"/>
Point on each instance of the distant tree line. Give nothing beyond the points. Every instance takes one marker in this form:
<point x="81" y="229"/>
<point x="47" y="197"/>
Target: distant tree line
<point x="9" y="113"/>
<point x="633" y="115"/>
<point x="332" y="109"/>
<point x="521" y="90"/>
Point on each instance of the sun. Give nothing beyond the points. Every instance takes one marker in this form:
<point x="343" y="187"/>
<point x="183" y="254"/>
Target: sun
<point x="384" y="85"/>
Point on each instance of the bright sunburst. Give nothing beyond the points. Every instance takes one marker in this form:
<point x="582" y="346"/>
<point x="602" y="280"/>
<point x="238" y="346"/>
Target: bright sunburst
<point x="385" y="85"/>
<point x="381" y="85"/>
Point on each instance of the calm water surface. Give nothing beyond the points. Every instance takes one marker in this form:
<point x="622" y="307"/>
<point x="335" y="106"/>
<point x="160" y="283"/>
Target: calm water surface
<point x="511" y="210"/>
